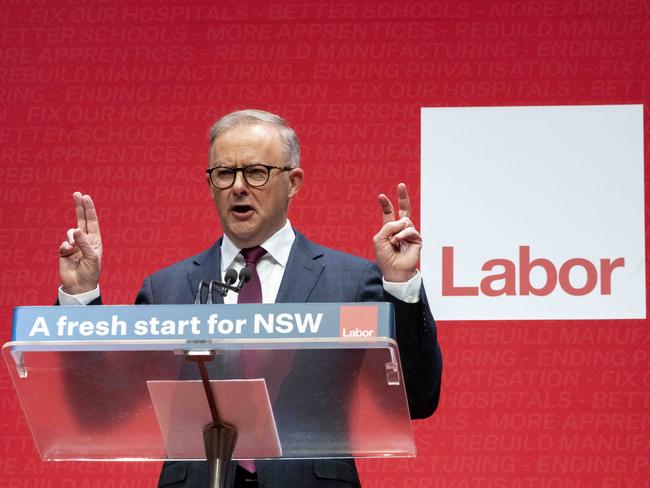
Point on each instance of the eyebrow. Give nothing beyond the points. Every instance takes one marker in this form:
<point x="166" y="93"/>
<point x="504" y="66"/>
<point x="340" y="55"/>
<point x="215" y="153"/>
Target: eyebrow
<point x="228" y="165"/>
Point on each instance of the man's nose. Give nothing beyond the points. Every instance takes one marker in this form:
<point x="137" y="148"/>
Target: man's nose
<point x="239" y="186"/>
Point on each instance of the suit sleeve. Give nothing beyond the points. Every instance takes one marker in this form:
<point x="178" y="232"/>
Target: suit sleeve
<point x="145" y="295"/>
<point x="417" y="339"/>
<point x="94" y="400"/>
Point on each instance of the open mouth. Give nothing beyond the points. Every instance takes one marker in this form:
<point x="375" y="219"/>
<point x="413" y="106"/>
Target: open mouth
<point x="242" y="210"/>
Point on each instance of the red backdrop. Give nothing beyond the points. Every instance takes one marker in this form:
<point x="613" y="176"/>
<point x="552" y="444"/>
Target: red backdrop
<point x="114" y="98"/>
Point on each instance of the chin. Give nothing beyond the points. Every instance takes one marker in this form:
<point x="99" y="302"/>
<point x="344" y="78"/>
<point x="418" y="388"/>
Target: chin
<point x="243" y="236"/>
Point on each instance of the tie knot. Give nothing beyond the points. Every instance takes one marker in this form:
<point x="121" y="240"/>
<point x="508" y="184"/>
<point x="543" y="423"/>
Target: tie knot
<point x="252" y="255"/>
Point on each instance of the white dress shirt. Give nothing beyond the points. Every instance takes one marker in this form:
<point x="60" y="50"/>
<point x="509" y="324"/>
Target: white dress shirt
<point x="270" y="267"/>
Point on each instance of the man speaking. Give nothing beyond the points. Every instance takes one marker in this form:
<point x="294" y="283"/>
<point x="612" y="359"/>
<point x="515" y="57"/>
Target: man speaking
<point x="253" y="174"/>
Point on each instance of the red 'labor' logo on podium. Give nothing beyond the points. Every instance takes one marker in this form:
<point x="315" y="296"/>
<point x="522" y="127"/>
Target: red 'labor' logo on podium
<point x="358" y="321"/>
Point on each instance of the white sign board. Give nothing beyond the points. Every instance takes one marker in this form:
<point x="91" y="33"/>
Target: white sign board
<point x="533" y="212"/>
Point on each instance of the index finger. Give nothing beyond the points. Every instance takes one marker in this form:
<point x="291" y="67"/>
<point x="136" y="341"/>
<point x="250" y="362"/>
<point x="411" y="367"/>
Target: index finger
<point x="403" y="202"/>
<point x="387" y="211"/>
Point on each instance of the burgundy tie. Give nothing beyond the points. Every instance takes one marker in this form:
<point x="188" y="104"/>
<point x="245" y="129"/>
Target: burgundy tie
<point x="251" y="293"/>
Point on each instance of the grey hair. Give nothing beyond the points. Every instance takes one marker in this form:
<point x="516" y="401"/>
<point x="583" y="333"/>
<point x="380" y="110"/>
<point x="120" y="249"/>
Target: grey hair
<point x="252" y="117"/>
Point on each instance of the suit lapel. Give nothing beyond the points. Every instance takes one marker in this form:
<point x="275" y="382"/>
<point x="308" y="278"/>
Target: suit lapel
<point x="304" y="266"/>
<point x="206" y="266"/>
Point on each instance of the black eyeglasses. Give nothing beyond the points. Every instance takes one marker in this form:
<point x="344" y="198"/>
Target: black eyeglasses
<point x="255" y="175"/>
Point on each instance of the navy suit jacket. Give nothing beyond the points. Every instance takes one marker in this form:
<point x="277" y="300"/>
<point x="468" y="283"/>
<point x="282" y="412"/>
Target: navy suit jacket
<point x="313" y="274"/>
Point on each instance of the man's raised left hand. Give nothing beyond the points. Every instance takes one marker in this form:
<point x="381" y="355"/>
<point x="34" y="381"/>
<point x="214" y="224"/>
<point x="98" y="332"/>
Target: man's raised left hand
<point x="398" y="243"/>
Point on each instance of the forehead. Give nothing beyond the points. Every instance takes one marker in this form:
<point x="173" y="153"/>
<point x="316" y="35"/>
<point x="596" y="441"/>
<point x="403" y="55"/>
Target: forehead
<point x="249" y="143"/>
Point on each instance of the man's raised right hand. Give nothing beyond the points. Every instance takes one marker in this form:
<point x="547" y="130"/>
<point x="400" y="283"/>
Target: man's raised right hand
<point x="80" y="255"/>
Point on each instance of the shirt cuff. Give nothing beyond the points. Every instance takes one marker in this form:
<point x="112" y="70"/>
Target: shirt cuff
<point x="80" y="299"/>
<point x="408" y="291"/>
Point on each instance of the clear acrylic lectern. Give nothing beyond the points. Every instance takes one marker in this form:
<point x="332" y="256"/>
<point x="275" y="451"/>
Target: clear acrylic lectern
<point x="295" y="380"/>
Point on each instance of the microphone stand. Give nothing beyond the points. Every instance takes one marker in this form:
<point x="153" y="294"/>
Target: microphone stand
<point x="219" y="438"/>
<point x="230" y="278"/>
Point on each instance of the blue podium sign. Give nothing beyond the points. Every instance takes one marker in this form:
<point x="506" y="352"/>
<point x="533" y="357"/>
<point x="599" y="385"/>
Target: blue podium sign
<point x="204" y="322"/>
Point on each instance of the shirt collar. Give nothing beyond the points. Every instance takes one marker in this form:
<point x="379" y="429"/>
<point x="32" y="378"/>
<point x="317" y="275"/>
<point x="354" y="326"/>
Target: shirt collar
<point x="278" y="246"/>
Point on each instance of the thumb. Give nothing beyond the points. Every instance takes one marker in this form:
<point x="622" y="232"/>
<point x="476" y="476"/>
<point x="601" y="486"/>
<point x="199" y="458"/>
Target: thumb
<point x="391" y="228"/>
<point x="65" y="249"/>
<point x="81" y="240"/>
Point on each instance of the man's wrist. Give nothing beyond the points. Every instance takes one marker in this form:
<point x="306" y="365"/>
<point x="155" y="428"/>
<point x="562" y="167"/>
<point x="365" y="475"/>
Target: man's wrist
<point x="401" y="277"/>
<point x="408" y="291"/>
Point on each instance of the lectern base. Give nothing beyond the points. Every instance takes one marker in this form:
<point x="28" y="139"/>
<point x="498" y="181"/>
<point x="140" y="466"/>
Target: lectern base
<point x="219" y="445"/>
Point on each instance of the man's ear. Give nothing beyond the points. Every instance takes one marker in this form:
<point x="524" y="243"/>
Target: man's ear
<point x="296" y="176"/>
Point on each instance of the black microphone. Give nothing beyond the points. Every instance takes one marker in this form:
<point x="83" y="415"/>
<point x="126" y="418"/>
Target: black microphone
<point x="230" y="277"/>
<point x="244" y="277"/>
